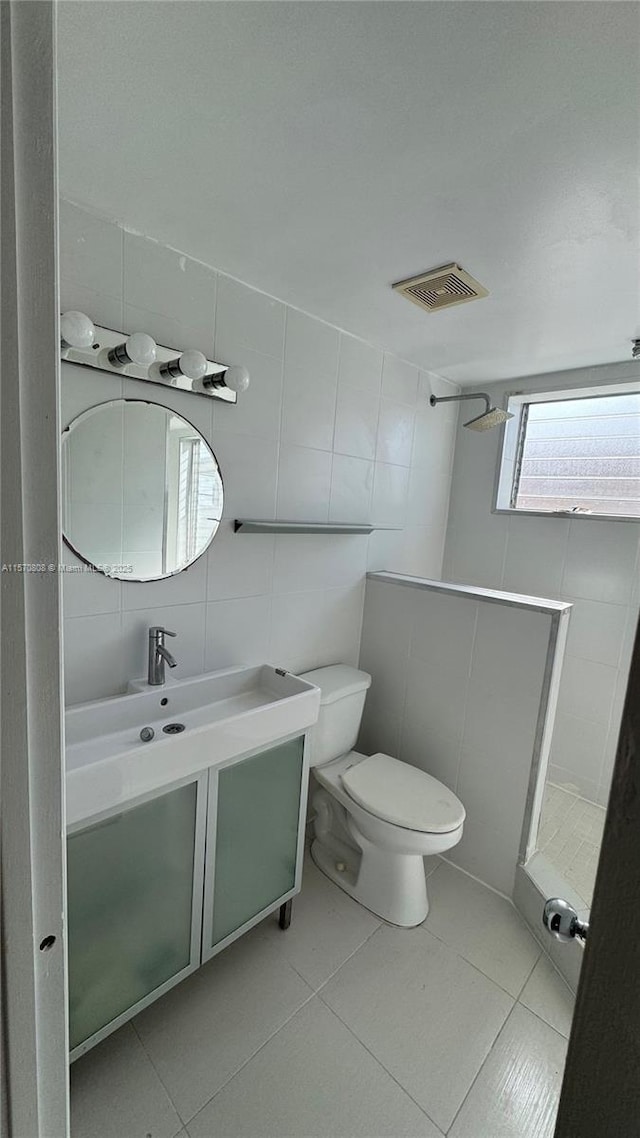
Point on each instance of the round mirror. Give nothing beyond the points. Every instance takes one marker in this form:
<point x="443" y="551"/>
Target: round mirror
<point x="141" y="490"/>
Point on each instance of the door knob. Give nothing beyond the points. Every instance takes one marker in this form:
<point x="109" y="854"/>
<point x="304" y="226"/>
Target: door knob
<point x="561" y="921"/>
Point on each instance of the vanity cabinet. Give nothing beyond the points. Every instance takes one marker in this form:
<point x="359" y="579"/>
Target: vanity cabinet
<point x="253" y="841"/>
<point x="134" y="883"/>
<point x="161" y="886"/>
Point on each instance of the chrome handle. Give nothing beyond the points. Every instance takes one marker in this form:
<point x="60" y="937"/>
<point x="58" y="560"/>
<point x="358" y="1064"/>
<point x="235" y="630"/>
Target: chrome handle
<point x="562" y="922"/>
<point x="156" y="633"/>
<point x="158" y="655"/>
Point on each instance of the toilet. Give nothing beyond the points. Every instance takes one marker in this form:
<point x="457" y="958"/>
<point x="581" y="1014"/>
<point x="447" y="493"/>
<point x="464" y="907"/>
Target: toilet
<point x="375" y="818"/>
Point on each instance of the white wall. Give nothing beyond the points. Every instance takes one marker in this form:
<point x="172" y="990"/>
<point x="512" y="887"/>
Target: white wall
<point x="591" y="563"/>
<point x="447" y="698"/>
<point x="331" y="428"/>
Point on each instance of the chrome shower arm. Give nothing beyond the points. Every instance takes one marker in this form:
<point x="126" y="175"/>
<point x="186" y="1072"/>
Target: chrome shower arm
<point x="456" y="398"/>
<point x="490" y="417"/>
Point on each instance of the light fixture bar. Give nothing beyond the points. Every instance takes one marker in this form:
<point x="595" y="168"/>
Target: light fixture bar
<point x="104" y="355"/>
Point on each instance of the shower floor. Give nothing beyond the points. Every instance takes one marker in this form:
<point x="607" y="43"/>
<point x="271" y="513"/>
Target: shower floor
<point x="569" y="836"/>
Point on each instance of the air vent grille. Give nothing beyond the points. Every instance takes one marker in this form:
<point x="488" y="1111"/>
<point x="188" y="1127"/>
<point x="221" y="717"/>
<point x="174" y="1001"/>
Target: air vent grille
<point x="441" y="288"/>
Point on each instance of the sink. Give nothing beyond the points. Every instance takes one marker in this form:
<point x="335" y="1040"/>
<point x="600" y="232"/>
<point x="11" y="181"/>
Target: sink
<point x="224" y="715"/>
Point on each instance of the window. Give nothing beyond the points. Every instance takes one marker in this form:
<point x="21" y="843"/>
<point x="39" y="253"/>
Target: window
<point x="576" y="454"/>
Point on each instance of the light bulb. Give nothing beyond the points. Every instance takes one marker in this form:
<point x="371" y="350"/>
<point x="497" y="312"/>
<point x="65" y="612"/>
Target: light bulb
<point x="137" y="349"/>
<point x="237" y="378"/>
<point x="191" y="364"/>
<point x="76" y="330"/>
<point x="141" y="349"/>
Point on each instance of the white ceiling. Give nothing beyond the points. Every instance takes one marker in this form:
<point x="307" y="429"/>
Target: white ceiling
<point x="321" y="151"/>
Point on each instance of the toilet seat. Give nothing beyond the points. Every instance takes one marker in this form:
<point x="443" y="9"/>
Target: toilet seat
<point x="403" y="795"/>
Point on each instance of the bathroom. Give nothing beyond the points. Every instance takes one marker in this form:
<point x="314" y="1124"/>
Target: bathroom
<point x="354" y="520"/>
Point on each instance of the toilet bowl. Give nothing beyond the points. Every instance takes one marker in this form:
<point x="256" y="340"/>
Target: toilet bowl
<point x="375" y="818"/>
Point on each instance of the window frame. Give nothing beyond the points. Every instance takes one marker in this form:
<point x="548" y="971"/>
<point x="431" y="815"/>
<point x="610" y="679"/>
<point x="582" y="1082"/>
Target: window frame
<point x="512" y="440"/>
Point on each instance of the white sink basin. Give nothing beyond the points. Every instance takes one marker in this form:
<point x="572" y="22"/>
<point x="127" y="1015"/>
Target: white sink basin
<point x="226" y="714"/>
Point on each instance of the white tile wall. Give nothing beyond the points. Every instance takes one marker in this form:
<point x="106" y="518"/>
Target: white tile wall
<point x="360" y="365"/>
<point x="304" y="484"/>
<point x="307" y="441"/>
<point x="177" y="289"/>
<point x="247" y="319"/>
<point x="259" y="415"/>
<point x="390" y="485"/>
<point x="92" y="253"/>
<point x="237" y="631"/>
<point x="446" y="697"/>
<point x="351" y="488"/>
<point x="310" y="382"/>
<point x="395" y="436"/>
<point x="578" y="745"/>
<point x="422" y="551"/>
<point x="591" y="563"/>
<point x="400" y="380"/>
<point x="357" y="414"/>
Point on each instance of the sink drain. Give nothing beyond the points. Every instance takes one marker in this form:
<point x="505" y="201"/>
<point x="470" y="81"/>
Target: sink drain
<point x="173" y="728"/>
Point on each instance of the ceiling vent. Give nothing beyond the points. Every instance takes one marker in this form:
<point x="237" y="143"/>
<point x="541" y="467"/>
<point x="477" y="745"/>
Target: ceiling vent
<point x="441" y="288"/>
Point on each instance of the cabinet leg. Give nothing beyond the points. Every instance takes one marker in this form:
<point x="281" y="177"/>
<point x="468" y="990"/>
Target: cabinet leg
<point x="285" y="914"/>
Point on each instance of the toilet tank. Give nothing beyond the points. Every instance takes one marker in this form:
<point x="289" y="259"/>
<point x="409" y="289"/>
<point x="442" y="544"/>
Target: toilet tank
<point x="344" y="691"/>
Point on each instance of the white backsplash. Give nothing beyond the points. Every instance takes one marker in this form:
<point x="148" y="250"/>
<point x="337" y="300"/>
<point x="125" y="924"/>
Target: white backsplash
<point x="332" y="428"/>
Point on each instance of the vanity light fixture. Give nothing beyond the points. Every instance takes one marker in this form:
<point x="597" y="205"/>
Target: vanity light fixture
<point x="139" y="357"/>
<point x="191" y="364"/>
<point x="137" y="349"/>
<point x="236" y="378"/>
<point x="76" y="330"/>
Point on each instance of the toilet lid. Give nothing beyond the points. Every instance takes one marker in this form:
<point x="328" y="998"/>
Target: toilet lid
<point x="403" y="795"/>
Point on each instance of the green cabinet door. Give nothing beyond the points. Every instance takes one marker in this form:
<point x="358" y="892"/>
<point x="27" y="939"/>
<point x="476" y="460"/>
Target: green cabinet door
<point x="253" y="861"/>
<point x="131" y="906"/>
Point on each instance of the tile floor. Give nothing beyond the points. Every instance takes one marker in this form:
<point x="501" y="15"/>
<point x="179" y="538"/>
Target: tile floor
<point x="345" y="1026"/>
<point x="569" y="835"/>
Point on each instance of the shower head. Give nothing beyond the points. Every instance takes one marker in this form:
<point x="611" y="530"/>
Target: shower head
<point x="490" y="417"/>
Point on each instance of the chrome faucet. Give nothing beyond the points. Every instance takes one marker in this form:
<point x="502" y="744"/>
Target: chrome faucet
<point x="159" y="655"/>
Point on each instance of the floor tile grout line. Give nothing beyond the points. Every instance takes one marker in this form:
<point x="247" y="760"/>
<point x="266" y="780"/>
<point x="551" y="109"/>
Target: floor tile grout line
<point x="313" y="992"/>
<point x="295" y="1012"/>
<point x="423" y="926"/>
<point x="579" y="797"/>
<point x="476" y="967"/>
<point x="377" y="1060"/>
<point x="489" y="1053"/>
<point x="543" y="1020"/>
<point x="482" y="1066"/>
<point x="157" y="1073"/>
<point x="535" y="965"/>
<point x="563" y="842"/>
<point x="348" y="958"/>
<point x="478" y="880"/>
<point x="242" y="1066"/>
